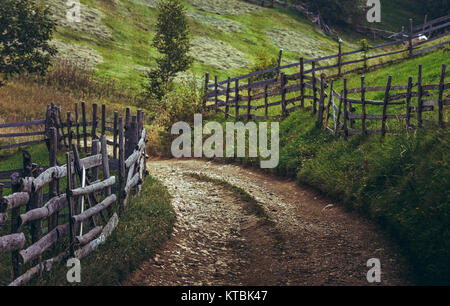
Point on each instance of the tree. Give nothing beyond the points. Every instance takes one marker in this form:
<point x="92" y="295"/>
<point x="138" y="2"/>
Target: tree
<point x="173" y="42"/>
<point x="25" y="31"/>
<point x="339" y="12"/>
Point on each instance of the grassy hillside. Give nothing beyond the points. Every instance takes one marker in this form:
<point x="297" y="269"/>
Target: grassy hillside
<point x="227" y="36"/>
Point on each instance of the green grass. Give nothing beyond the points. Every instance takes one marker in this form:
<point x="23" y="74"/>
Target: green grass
<point x="401" y="181"/>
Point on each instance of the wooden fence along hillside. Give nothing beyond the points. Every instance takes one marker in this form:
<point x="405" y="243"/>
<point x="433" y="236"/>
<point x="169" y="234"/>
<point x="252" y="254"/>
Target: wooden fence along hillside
<point x="47" y="224"/>
<point x="276" y="96"/>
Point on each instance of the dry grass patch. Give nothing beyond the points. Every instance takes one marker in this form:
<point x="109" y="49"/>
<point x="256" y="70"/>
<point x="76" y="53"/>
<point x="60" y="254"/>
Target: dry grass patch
<point x="217" y="54"/>
<point x="79" y="55"/>
<point x="218" y="23"/>
<point x="225" y="7"/>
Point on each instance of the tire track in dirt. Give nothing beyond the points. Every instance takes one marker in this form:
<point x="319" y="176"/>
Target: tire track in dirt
<point x="216" y="242"/>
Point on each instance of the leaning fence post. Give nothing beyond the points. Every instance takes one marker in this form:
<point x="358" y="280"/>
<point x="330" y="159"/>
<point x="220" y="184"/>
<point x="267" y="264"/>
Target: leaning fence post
<point x="441" y="96"/>
<point x="363" y="107"/>
<point x="330" y="101"/>
<point x="385" y="104"/>
<point x="313" y="71"/>
<point x="419" y="97"/>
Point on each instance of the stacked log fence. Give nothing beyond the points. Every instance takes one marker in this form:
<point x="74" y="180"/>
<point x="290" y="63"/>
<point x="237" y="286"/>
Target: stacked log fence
<point x="43" y="224"/>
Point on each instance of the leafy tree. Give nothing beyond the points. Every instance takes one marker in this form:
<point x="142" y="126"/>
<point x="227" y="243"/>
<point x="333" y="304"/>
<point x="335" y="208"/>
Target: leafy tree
<point x="339" y="12"/>
<point x="25" y="30"/>
<point x="173" y="42"/>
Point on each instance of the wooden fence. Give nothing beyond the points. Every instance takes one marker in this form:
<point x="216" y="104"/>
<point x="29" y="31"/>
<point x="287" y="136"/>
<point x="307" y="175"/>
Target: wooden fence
<point x="73" y="223"/>
<point x="293" y="91"/>
<point x="215" y="88"/>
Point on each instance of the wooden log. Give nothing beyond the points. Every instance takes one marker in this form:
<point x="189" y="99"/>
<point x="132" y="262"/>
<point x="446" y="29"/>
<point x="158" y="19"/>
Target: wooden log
<point x="38" y="269"/>
<point x="95" y="209"/>
<point x="363" y="108"/>
<point x="83" y="115"/>
<point x="419" y="98"/>
<point x="441" y="95"/>
<point x="93" y="188"/>
<point x="12" y="242"/>
<point x="135" y="180"/>
<point x="93" y="245"/>
<point x="14" y="201"/>
<point x="386" y="100"/>
<point x="54" y="205"/>
<point x="88" y="237"/>
<point x="38" y="247"/>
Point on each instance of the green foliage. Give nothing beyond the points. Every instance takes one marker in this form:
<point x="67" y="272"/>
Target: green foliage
<point x="264" y="62"/>
<point x="25" y="31"/>
<point x="340" y="12"/>
<point x="172" y="41"/>
<point x="365" y="46"/>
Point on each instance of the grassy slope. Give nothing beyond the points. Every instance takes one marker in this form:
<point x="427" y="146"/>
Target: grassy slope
<point x="401" y="181"/>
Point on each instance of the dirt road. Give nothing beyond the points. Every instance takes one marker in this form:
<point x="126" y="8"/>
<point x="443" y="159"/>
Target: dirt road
<point x="311" y="241"/>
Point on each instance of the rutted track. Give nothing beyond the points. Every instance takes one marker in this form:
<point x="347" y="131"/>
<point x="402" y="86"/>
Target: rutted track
<point x="216" y="242"/>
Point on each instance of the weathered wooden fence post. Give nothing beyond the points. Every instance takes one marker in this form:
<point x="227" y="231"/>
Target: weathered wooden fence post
<point x="345" y="109"/>
<point x="115" y="134"/>
<point x="249" y="99"/>
<point x="53" y="185"/>
<point x="206" y="90"/>
<point x="216" y="95"/>
<point x="77" y="126"/>
<point x="283" y="95"/>
<point x="103" y="119"/>
<point x="105" y="166"/>
<point x="419" y="97"/>
<point x="408" y="101"/>
<point x="330" y="101"/>
<point x="266" y="101"/>
<point x="441" y="96"/>
<point x="94" y="121"/>
<point x="319" y="121"/>
<point x="227" y="99"/>
<point x="237" y="98"/>
<point x="385" y="105"/>
<point x="363" y="107"/>
<point x="69" y="129"/>
<point x="302" y="82"/>
<point x="340" y="58"/>
<point x="140" y="121"/>
<point x="95" y="151"/>
<point x="121" y="165"/>
<point x="72" y="230"/>
<point x="83" y="117"/>
<point x="280" y="54"/>
<point x="314" y="84"/>
<point x="15" y="222"/>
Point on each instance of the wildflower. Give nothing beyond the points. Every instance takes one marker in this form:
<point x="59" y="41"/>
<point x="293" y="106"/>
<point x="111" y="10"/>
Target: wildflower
<point x="410" y="128"/>
<point x="360" y="149"/>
